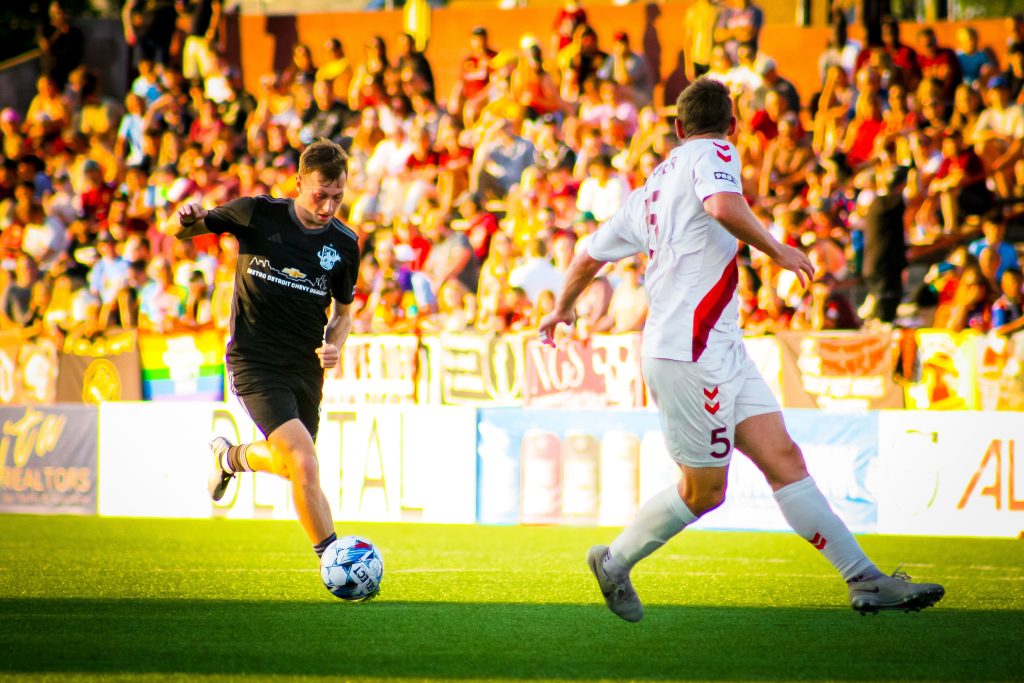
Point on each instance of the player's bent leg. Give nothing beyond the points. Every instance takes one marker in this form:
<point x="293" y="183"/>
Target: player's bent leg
<point x="292" y="443"/>
<point x="667" y="513"/>
<point x="765" y="440"/>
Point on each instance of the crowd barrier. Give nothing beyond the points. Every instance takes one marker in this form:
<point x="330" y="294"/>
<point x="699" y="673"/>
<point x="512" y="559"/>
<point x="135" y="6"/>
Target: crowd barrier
<point x="888" y="472"/>
<point x="830" y="371"/>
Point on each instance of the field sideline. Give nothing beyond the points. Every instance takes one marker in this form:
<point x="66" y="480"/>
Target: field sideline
<point x="155" y="600"/>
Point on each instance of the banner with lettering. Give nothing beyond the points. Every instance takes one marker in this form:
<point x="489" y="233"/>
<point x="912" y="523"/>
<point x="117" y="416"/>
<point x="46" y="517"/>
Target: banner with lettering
<point x="843" y="371"/>
<point x="473" y="369"/>
<point x="1001" y="373"/>
<point x="602" y="371"/>
<point x="943" y="369"/>
<point x="182" y="367"/>
<point x="953" y="473"/>
<point x="48" y="459"/>
<point x="376" y="369"/>
<point x="28" y="369"/>
<point x="101" y="368"/>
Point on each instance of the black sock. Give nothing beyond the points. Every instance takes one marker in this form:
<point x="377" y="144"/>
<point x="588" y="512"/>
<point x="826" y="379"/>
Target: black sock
<point x="320" y="547"/>
<point x="236" y="461"/>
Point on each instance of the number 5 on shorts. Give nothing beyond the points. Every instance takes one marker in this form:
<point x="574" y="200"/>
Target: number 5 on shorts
<point x="718" y="438"/>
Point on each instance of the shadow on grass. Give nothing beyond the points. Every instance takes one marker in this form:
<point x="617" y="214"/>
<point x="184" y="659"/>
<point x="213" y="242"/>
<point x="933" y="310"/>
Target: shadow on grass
<point x="529" y="641"/>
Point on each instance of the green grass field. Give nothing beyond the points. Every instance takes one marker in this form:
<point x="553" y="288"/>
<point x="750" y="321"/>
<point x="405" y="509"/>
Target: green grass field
<point x="153" y="600"/>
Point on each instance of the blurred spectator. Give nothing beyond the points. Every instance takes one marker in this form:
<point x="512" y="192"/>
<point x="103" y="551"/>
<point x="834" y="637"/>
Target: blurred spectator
<point x="570" y="17"/>
<point x="61" y="44"/>
<point x="627" y="310"/>
<point x="1008" y="309"/>
<point x="959" y="185"/>
<point x="885" y="247"/>
<point x="973" y="60"/>
<point x="998" y="137"/>
<point x="536" y="272"/>
<point x="16" y="305"/>
<point x="474" y="75"/>
<point x="197" y="54"/>
<point x="994" y="238"/>
<point x="629" y="71"/>
<point x="148" y="29"/>
<point x="699" y="24"/>
<point x="739" y="23"/>
<point x="938" y="63"/>
<point x="336" y="71"/>
<point x="500" y="163"/>
<point x="603" y="191"/>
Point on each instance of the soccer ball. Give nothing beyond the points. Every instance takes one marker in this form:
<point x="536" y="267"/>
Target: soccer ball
<point x="352" y="568"/>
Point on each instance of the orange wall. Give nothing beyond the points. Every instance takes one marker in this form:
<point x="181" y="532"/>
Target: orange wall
<point x="653" y="29"/>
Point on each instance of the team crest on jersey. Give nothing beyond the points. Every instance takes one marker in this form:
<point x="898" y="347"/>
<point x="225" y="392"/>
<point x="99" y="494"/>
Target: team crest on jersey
<point x="328" y="257"/>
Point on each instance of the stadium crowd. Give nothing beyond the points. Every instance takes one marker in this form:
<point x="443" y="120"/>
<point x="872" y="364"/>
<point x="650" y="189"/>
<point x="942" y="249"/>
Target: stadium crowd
<point x="471" y="203"/>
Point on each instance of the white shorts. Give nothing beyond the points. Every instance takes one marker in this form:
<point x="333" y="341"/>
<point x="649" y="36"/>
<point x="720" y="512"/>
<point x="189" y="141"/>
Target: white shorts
<point x="700" y="404"/>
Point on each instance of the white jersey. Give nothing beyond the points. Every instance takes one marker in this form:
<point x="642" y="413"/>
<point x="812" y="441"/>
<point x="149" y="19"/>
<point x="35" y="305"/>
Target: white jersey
<point x="692" y="274"/>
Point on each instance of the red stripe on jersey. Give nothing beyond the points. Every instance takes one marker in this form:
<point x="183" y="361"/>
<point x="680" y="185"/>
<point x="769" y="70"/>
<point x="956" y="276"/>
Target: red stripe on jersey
<point x="710" y="308"/>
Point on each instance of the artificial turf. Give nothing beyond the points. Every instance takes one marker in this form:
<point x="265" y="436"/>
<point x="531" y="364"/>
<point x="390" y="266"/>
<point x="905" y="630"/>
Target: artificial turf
<point x="152" y="600"/>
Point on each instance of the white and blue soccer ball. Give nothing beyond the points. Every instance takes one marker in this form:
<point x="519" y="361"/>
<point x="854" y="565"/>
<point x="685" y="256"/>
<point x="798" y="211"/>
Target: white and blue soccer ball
<point x="352" y="568"/>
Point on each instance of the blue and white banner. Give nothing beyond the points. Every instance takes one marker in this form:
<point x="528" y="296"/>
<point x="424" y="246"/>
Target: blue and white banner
<point x="597" y="466"/>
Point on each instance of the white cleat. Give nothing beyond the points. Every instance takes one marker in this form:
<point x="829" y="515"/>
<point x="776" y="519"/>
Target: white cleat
<point x="219" y="478"/>
<point x="894" y="592"/>
<point x="620" y="597"/>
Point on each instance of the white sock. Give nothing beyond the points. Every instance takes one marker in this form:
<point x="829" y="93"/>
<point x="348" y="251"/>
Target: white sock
<point x="810" y="516"/>
<point x="658" y="520"/>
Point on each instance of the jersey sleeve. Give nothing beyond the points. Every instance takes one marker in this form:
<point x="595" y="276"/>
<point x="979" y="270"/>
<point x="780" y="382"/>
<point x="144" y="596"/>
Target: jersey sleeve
<point x="717" y="170"/>
<point x="625" y="232"/>
<point x="343" y="278"/>
<point x="233" y="217"/>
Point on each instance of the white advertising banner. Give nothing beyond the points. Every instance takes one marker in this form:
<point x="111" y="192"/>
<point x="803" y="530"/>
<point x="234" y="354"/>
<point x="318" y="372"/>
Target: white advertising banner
<point x="951" y="473"/>
<point x="379" y="463"/>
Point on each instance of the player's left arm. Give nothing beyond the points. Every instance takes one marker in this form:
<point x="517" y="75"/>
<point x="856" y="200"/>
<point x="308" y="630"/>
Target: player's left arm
<point x="339" y="325"/>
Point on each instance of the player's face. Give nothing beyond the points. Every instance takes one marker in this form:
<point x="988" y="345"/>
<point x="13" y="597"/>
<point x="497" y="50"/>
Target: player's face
<point x="319" y="198"/>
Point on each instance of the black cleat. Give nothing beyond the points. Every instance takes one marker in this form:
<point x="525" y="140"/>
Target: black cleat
<point x="219" y="477"/>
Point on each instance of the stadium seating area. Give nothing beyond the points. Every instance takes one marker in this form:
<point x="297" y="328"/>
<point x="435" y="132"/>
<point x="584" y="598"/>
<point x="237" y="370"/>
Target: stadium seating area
<point x="471" y="200"/>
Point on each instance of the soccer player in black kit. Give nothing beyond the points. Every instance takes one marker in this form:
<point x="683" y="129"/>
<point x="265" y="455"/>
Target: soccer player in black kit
<point x="295" y="260"/>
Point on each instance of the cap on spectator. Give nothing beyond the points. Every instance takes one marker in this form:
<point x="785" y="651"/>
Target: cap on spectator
<point x="621" y="37"/>
<point x="998" y="82"/>
<point x="91" y="165"/>
<point x="585" y="217"/>
<point x="479" y="31"/>
<point x="404" y="253"/>
<point x="767" y="66"/>
<point x="10" y="115"/>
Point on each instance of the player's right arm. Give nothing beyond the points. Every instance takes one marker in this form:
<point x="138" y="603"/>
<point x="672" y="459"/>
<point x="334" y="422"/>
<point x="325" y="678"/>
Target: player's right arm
<point x="620" y="237"/>
<point x="730" y="209"/>
<point x="192" y="220"/>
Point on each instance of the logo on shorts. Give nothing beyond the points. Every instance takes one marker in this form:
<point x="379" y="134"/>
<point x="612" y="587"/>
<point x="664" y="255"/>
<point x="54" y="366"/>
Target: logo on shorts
<point x="328" y="257"/>
<point x="722" y="175"/>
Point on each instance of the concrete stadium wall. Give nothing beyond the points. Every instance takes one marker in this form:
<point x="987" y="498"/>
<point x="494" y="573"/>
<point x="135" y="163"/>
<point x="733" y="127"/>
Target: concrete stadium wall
<point x="655" y="30"/>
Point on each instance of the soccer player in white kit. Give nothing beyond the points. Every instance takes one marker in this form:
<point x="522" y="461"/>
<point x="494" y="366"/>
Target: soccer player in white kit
<point x="711" y="398"/>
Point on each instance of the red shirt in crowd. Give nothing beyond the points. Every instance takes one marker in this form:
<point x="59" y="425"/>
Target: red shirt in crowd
<point x="476" y="72"/>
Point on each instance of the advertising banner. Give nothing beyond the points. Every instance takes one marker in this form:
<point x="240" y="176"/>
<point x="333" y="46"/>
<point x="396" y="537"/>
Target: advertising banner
<point x="183" y="367"/>
<point x="102" y="368"/>
<point x="565" y="467"/>
<point x="1001" y="373"/>
<point x="596" y="467"/>
<point x="472" y="369"/>
<point x="376" y="369"/>
<point x="843" y="371"/>
<point x="603" y="371"/>
<point x="28" y="369"/>
<point x="382" y="463"/>
<point x="48" y="459"/>
<point x="944" y="370"/>
<point x="841" y="452"/>
<point x="951" y="474"/>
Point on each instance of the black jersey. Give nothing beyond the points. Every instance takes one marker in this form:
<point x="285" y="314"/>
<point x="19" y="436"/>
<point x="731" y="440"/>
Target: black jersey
<point x="285" y="279"/>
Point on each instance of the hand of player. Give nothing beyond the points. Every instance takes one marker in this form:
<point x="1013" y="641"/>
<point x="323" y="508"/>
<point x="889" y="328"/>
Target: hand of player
<point x="549" y="324"/>
<point x="794" y="260"/>
<point x="328" y="354"/>
<point x="190" y="213"/>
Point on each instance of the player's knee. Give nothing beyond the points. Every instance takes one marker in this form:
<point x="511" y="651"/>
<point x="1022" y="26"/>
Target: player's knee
<point x="704" y="497"/>
<point x="788" y="467"/>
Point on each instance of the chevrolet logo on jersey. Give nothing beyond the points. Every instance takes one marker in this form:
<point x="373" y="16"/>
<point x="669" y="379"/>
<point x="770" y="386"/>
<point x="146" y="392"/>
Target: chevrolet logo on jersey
<point x="294" y="273"/>
<point x="328" y="257"/>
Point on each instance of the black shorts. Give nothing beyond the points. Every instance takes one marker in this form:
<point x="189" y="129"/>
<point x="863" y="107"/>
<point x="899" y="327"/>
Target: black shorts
<point x="272" y="398"/>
